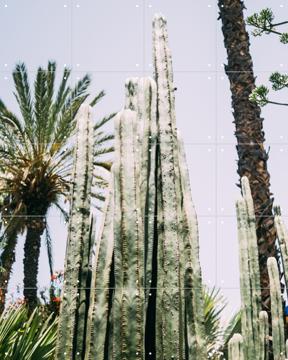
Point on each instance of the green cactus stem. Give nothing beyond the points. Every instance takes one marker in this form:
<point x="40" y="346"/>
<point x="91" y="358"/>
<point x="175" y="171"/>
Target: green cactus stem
<point x="191" y="265"/>
<point x="170" y="284"/>
<point x="101" y="291"/>
<point x="141" y="97"/>
<point x="283" y="240"/>
<point x="128" y="302"/>
<point x="235" y="348"/>
<point x="74" y="305"/>
<point x="249" y="273"/>
<point x="276" y="310"/>
<point x="264" y="335"/>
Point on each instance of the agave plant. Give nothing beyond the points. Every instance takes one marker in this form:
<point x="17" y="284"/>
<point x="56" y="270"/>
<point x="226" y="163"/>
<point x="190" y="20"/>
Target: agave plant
<point x="26" y="338"/>
<point x="35" y="164"/>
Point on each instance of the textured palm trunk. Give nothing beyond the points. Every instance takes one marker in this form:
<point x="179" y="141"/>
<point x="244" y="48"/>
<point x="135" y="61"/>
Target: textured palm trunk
<point x="249" y="133"/>
<point x="35" y="229"/>
<point x="7" y="261"/>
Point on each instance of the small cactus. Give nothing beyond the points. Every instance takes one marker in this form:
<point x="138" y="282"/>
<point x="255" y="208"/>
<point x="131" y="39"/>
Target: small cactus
<point x="235" y="348"/>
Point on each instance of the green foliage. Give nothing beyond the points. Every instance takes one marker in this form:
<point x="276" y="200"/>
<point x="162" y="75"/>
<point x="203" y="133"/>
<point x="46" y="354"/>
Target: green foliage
<point x="214" y="304"/>
<point x="26" y="338"/>
<point x="279" y="81"/>
<point x="233" y="327"/>
<point x="259" y="95"/>
<point x="284" y="38"/>
<point x="36" y="151"/>
<point x="262" y="22"/>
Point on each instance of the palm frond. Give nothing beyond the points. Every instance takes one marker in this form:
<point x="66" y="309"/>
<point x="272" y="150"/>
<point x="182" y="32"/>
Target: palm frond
<point x="40" y="94"/>
<point x="103" y="150"/>
<point x="23" y="97"/>
<point x="97" y="98"/>
<point x="100" y="140"/>
<point x="62" y="211"/>
<point x="214" y="305"/>
<point x="103" y="121"/>
<point x="233" y="327"/>
<point x="49" y="247"/>
<point x="26" y="338"/>
<point x="103" y="164"/>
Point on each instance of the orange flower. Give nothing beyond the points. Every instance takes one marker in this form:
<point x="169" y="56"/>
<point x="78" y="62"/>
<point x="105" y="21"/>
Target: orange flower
<point x="56" y="299"/>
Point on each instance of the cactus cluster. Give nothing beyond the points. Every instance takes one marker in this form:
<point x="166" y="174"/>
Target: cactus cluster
<point x="144" y="298"/>
<point x="140" y="297"/>
<point x="254" y="341"/>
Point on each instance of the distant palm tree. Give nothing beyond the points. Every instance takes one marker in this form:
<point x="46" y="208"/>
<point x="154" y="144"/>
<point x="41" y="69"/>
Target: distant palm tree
<point x="35" y="164"/>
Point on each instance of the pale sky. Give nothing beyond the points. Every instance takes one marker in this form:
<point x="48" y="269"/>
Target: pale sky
<point x="112" y="40"/>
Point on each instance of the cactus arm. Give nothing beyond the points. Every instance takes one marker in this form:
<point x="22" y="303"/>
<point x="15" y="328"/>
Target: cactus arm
<point x="276" y="310"/>
<point x="141" y="97"/>
<point x="128" y="303"/>
<point x="193" y="277"/>
<point x="235" y="348"/>
<point x="169" y="291"/>
<point x="98" y="316"/>
<point x="245" y="286"/>
<point x="264" y="335"/>
<point x="253" y="263"/>
<point x="78" y="238"/>
<point x="283" y="243"/>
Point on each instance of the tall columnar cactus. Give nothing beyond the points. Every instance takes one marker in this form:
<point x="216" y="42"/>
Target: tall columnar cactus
<point x="128" y="299"/>
<point x="276" y="310"/>
<point x="101" y="285"/>
<point x="146" y="289"/>
<point x="249" y="273"/>
<point x="141" y="97"/>
<point x="75" y="296"/>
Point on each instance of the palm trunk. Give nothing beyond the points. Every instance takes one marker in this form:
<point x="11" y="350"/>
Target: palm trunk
<point x="32" y="246"/>
<point x="7" y="261"/>
<point x="249" y="132"/>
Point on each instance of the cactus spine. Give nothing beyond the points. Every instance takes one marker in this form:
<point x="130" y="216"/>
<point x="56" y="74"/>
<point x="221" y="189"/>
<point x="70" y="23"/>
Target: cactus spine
<point x="74" y="306"/>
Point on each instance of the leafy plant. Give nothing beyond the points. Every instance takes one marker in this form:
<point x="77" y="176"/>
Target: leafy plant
<point x="26" y="338"/>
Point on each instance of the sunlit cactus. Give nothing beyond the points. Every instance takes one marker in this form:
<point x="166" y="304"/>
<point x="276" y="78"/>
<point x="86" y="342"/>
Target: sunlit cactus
<point x="249" y="273"/>
<point x="146" y="295"/>
<point x="75" y="294"/>
<point x="278" y="337"/>
<point x="235" y="348"/>
<point x="254" y="323"/>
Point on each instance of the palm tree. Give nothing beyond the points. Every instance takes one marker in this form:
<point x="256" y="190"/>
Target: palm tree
<point x="252" y="156"/>
<point x="35" y="164"/>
